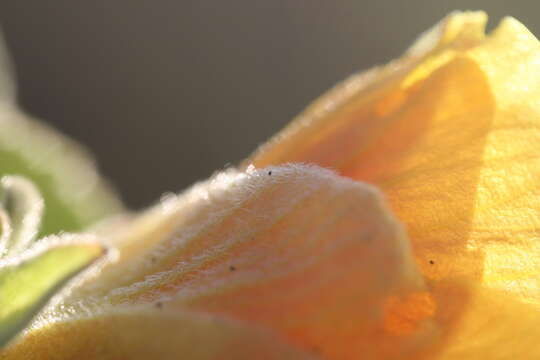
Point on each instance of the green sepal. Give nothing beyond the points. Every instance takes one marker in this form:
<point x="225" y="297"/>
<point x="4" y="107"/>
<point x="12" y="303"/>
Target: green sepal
<point x="29" y="282"/>
<point x="75" y="195"/>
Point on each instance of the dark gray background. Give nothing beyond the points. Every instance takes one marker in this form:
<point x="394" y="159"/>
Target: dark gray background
<point x="164" y="92"/>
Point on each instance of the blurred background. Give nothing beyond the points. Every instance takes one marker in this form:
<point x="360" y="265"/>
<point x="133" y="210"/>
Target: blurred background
<point x="164" y="92"/>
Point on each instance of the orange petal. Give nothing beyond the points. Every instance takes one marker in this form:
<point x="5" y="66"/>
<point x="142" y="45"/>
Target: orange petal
<point x="313" y="256"/>
<point x="450" y="133"/>
<point x="150" y="333"/>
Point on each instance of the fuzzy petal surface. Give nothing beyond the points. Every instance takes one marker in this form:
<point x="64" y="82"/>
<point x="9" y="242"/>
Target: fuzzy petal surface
<point x="311" y="256"/>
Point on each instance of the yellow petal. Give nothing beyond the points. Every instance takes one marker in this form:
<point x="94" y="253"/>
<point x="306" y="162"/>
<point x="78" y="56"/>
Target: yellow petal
<point x="150" y="333"/>
<point x="505" y="317"/>
<point x="506" y="220"/>
<point x="450" y="133"/>
<point x="338" y="126"/>
<point x="495" y="326"/>
<point x="315" y="257"/>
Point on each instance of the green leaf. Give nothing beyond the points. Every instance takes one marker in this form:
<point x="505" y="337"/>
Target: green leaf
<point x="26" y="285"/>
<point x="75" y="195"/>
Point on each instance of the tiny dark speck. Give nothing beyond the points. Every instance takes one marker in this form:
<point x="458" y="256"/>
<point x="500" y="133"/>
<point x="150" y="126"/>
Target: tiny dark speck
<point x="232" y="268"/>
<point x="270" y="173"/>
<point x="159" y="305"/>
<point x="431" y="262"/>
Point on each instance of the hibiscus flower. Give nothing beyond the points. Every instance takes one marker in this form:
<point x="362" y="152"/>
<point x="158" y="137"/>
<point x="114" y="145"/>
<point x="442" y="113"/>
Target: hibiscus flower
<point x="421" y="242"/>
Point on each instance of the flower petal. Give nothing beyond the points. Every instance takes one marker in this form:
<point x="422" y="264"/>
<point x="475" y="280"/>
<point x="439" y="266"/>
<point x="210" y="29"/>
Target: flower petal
<point x="336" y="129"/>
<point x="504" y="317"/>
<point x="313" y="256"/>
<point x="495" y="326"/>
<point x="450" y="133"/>
<point x="150" y="333"/>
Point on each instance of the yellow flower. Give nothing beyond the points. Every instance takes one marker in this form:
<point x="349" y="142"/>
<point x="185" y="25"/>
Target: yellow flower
<point x="450" y="133"/>
<point x="288" y="261"/>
